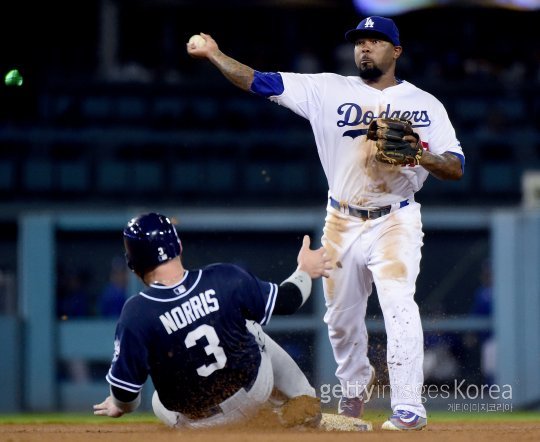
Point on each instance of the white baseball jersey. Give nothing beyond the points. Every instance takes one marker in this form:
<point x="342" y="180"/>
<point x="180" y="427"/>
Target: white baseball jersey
<point x="340" y="109"/>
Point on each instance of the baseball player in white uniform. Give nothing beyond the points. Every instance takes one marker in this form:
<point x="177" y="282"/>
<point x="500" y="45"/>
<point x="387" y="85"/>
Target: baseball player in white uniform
<point x="373" y="228"/>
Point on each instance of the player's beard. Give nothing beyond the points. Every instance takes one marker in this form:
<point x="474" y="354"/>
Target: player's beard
<point x="370" y="73"/>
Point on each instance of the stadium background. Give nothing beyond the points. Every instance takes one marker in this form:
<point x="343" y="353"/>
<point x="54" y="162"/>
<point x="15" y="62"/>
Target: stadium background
<point x="114" y="118"/>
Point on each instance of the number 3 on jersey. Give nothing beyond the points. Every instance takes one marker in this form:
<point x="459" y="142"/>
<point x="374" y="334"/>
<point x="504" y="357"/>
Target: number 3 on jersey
<point x="212" y="348"/>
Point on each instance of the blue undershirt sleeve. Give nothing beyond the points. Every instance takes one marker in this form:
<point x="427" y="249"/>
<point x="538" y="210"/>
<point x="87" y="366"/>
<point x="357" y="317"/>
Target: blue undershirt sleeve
<point x="267" y="84"/>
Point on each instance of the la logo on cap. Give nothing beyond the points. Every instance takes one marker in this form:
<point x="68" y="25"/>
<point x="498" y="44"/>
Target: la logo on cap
<point x="369" y="23"/>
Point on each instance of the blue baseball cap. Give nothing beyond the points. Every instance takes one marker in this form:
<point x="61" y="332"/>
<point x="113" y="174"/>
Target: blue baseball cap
<point x="375" y="26"/>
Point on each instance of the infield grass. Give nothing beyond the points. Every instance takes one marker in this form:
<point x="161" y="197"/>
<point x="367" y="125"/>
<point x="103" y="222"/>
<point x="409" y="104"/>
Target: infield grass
<point x="371" y="415"/>
<point x="74" y="418"/>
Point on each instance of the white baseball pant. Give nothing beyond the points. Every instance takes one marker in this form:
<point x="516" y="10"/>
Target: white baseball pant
<point x="384" y="251"/>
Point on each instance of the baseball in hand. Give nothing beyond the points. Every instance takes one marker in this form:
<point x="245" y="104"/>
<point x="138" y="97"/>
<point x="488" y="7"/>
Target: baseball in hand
<point x="197" y="40"/>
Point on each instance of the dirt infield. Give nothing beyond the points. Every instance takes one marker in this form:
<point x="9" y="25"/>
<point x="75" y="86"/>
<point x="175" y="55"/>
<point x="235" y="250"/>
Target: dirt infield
<point x="149" y="432"/>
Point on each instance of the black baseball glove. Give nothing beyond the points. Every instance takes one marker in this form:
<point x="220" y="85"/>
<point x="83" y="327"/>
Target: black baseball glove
<point x="396" y="141"/>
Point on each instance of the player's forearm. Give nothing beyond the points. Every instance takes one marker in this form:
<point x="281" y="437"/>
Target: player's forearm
<point x="127" y="404"/>
<point x="444" y="167"/>
<point x="289" y="299"/>
<point x="237" y="73"/>
<point x="293" y="293"/>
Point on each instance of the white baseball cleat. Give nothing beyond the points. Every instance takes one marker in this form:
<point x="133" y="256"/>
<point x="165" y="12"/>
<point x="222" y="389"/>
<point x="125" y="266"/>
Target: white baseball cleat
<point x="404" y="420"/>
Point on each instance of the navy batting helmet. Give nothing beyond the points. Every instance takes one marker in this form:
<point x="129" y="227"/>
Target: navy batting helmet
<point x="150" y="240"/>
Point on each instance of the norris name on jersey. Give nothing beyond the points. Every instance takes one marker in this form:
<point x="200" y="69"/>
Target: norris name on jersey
<point x="189" y="311"/>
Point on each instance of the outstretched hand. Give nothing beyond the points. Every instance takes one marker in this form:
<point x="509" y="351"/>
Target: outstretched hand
<point x="314" y="262"/>
<point x="107" y="408"/>
<point x="204" y="51"/>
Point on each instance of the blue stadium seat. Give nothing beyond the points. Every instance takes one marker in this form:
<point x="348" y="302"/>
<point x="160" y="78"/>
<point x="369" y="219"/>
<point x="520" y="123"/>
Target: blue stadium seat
<point x="7" y="174"/>
<point x="146" y="176"/>
<point x="271" y="177"/>
<point x="220" y="176"/>
<point x="112" y="176"/>
<point x="499" y="177"/>
<point x="472" y="108"/>
<point x="130" y="108"/>
<point x="187" y="176"/>
<point x="38" y="175"/>
<point x="73" y="176"/>
<point x="97" y="107"/>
